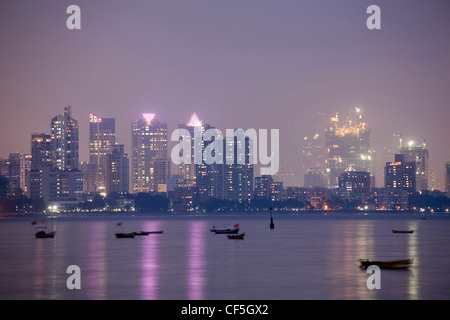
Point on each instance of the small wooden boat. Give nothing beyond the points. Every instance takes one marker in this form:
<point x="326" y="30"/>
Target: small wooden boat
<point x="146" y="233"/>
<point x="228" y="230"/>
<point x="125" y="235"/>
<point x="236" y="236"/>
<point x="43" y="234"/>
<point x="402" y="231"/>
<point x="395" y="264"/>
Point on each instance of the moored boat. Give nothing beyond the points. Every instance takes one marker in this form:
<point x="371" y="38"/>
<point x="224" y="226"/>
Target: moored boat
<point x="229" y="230"/>
<point x="236" y="236"/>
<point x="394" y="264"/>
<point x="125" y="235"/>
<point x="146" y="233"/>
<point x="402" y="231"/>
<point x="43" y="234"/>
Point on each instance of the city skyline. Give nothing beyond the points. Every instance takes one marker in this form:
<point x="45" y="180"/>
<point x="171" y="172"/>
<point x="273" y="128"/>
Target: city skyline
<point x="236" y="65"/>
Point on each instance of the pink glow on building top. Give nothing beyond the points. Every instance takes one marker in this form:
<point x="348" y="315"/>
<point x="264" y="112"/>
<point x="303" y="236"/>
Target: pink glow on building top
<point x="194" y="121"/>
<point x="148" y="117"/>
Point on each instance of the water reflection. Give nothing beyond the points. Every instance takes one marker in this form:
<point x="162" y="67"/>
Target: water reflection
<point x="351" y="242"/>
<point x="150" y="262"/>
<point x="39" y="268"/>
<point x="196" y="260"/>
<point x="413" y="252"/>
<point x="97" y="261"/>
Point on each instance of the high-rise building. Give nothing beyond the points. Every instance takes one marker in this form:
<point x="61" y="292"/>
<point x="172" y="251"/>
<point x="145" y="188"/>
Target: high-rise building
<point x="313" y="161"/>
<point x="418" y="154"/>
<point x="117" y="170"/>
<point x="25" y="170"/>
<point x="315" y="178"/>
<point x="400" y="174"/>
<point x="239" y="174"/>
<point x="188" y="170"/>
<point x="150" y="164"/>
<point x="210" y="178"/>
<point x="59" y="179"/>
<point x="447" y="178"/>
<point x="41" y="151"/>
<point x="102" y="138"/>
<point x="65" y="142"/>
<point x="10" y="169"/>
<point x="262" y="187"/>
<point x="347" y="144"/>
<point x="354" y="184"/>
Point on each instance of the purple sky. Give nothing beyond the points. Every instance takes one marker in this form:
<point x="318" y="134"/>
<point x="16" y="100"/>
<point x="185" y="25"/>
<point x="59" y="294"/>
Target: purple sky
<point x="262" y="64"/>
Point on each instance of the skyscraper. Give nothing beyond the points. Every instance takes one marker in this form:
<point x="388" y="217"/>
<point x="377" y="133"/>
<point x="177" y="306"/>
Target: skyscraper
<point x="65" y="144"/>
<point x="347" y="144"/>
<point x="188" y="170"/>
<point x="210" y="178"/>
<point x="150" y="164"/>
<point x="41" y="151"/>
<point x="313" y="161"/>
<point x="116" y="170"/>
<point x="239" y="175"/>
<point x="58" y="179"/>
<point x="419" y="155"/>
<point x="102" y="138"/>
<point x="25" y="169"/>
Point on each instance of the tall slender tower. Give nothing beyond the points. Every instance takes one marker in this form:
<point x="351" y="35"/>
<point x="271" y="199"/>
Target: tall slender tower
<point x="188" y="170"/>
<point x="239" y="175"/>
<point x="65" y="143"/>
<point x="150" y="164"/>
<point x="102" y="138"/>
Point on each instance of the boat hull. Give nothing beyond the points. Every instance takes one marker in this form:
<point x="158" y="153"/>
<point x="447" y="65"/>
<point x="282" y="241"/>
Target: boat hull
<point x="236" y="236"/>
<point x="125" y="235"/>
<point x="225" y="231"/>
<point x="395" y="264"/>
<point x="146" y="233"/>
<point x="402" y="231"/>
<point x="45" y="234"/>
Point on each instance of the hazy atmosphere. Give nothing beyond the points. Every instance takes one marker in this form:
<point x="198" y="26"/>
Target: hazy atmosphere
<point x="286" y="65"/>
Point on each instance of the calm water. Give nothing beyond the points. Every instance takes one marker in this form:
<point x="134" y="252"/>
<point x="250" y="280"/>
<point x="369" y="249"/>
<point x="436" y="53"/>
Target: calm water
<point x="308" y="256"/>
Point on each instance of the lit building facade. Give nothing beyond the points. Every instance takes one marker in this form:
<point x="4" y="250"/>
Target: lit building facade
<point x="347" y="144"/>
<point x="313" y="161"/>
<point x="400" y="174"/>
<point x="150" y="165"/>
<point x="65" y="141"/>
<point x="188" y="170"/>
<point x="239" y="174"/>
<point x="10" y="169"/>
<point x="25" y="170"/>
<point x="54" y="174"/>
<point x="117" y="169"/>
<point x="210" y="178"/>
<point x="354" y="184"/>
<point x="102" y="138"/>
<point x="41" y="151"/>
<point x="418" y="154"/>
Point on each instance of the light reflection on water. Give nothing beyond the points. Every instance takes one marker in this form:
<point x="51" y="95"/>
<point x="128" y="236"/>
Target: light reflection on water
<point x="302" y="258"/>
<point x="196" y="260"/>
